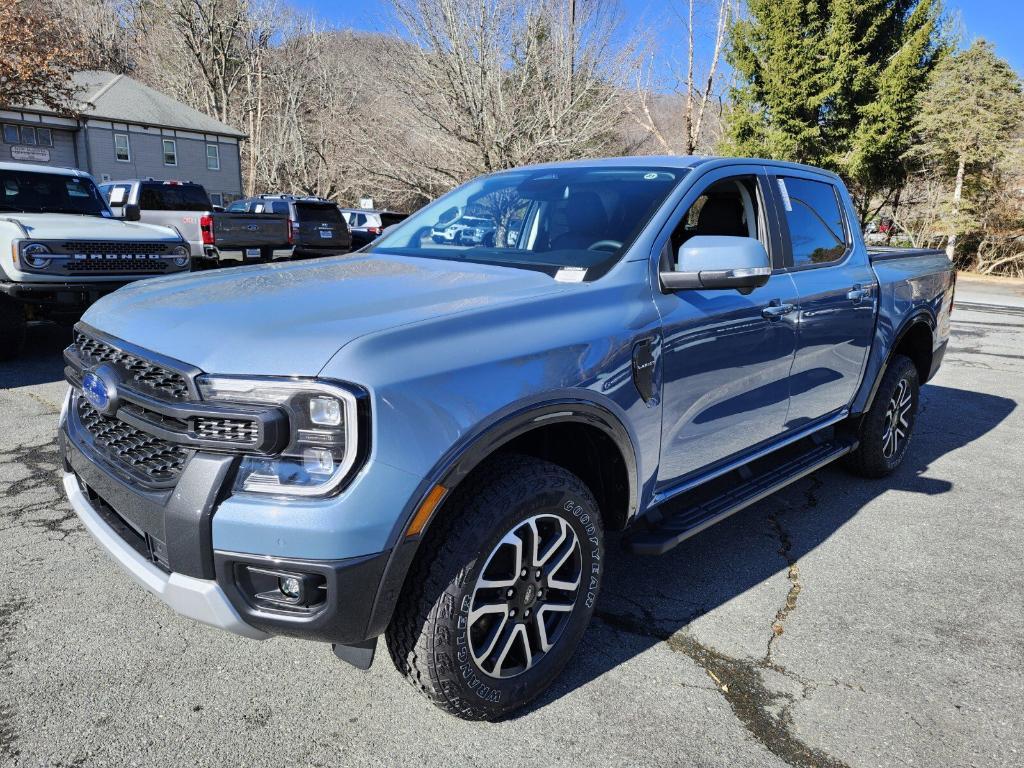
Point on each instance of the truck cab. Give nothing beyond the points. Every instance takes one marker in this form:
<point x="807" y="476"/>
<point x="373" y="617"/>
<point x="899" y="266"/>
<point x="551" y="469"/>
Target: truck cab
<point x="61" y="248"/>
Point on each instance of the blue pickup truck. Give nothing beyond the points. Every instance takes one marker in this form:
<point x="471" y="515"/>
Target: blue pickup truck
<point x="429" y="441"/>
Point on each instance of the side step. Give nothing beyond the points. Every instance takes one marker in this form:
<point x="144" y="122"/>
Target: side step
<point x="678" y="519"/>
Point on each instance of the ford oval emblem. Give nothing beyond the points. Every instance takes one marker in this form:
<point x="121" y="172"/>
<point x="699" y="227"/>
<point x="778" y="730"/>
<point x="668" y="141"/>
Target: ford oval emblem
<point x="99" y="387"/>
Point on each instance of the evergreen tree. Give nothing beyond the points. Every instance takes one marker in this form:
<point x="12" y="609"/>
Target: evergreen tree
<point x="833" y="83"/>
<point x="968" y="118"/>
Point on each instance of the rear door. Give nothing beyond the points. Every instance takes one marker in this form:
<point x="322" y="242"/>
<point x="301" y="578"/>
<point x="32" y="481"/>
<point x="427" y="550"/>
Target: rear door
<point x="836" y="292"/>
<point x="320" y="228"/>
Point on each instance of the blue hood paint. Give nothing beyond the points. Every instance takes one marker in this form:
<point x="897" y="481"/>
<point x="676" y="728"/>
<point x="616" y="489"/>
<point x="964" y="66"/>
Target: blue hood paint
<point x="290" y="319"/>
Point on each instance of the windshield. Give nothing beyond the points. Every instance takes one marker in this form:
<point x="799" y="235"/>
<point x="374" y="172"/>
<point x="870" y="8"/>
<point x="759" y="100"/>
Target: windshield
<point x="544" y="219"/>
<point x="34" y="192"/>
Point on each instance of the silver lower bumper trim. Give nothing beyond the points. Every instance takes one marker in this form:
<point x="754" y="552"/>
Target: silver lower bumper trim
<point x="199" y="599"/>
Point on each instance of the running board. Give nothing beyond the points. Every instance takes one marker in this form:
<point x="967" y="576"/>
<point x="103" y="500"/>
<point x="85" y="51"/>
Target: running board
<point x="663" y="530"/>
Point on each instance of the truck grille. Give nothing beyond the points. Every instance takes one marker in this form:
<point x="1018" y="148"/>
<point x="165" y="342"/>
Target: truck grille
<point x="102" y="248"/>
<point x="133" y="266"/>
<point x="148" y="457"/>
<point x="155" y="377"/>
<point x="228" y="430"/>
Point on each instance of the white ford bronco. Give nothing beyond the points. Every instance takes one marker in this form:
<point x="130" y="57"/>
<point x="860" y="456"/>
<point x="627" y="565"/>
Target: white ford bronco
<point x="61" y="249"/>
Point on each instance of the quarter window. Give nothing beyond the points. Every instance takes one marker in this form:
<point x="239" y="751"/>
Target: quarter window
<point x="170" y="152"/>
<point x="212" y="157"/>
<point x="122" y="149"/>
<point x="817" y="230"/>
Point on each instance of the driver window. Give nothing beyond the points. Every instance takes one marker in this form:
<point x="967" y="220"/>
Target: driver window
<point x="729" y="207"/>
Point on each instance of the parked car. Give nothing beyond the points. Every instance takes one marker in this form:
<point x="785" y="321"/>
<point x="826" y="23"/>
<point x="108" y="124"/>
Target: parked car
<point x="60" y="248"/>
<point x="317" y="226"/>
<point x="466" y="230"/>
<point x="366" y="225"/>
<point x="428" y="442"/>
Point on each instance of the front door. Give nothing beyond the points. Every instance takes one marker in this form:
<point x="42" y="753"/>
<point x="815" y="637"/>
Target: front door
<point x="726" y="356"/>
<point x="837" y="294"/>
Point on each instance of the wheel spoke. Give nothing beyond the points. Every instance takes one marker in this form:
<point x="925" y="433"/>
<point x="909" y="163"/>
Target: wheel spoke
<point x="563" y="534"/>
<point x="554" y="583"/>
<point x="511" y="540"/>
<point x="494" y="634"/>
<point x="509" y="641"/>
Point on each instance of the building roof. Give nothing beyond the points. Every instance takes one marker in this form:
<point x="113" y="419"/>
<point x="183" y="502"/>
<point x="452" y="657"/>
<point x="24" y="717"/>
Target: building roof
<point x="106" y="96"/>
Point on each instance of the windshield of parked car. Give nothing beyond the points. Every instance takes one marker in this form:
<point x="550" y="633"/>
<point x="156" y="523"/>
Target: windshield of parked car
<point x="541" y="218"/>
<point x="34" y="192"/>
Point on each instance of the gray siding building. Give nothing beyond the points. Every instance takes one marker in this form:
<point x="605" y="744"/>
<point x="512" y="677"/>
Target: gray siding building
<point x="127" y="130"/>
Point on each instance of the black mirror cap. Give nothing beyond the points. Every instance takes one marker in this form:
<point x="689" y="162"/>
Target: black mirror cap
<point x="743" y="281"/>
<point x="132" y="212"/>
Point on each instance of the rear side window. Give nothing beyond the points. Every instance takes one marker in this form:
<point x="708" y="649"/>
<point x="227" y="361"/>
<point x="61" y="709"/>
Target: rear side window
<point x="318" y="214"/>
<point x="280" y="208"/>
<point x="173" y="197"/>
<point x="817" y="230"/>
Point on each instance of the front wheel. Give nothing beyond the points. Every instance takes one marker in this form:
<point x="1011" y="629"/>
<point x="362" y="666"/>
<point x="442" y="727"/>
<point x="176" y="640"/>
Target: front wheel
<point x="502" y="589"/>
<point x="886" y="428"/>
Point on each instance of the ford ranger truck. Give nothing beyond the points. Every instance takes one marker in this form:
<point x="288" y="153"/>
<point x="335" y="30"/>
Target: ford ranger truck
<point x="429" y="442"/>
<point x="60" y="249"/>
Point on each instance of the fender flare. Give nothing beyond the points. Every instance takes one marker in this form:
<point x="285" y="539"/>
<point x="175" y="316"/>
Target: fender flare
<point x="456" y="465"/>
<point x="920" y="317"/>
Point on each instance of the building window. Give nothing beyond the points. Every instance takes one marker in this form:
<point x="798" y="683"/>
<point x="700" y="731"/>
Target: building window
<point x="122" y="150"/>
<point x="217" y="198"/>
<point x="28" y="136"/>
<point x="170" y="152"/>
<point x="11" y="133"/>
<point x="45" y="136"/>
<point x="212" y="157"/>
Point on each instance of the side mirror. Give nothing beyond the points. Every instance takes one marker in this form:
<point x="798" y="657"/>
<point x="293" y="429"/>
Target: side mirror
<point x="719" y="262"/>
<point x="132" y="212"/>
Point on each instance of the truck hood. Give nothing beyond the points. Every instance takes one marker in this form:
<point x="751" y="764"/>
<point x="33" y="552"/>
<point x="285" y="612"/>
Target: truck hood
<point x="289" y="319"/>
<point x="67" y="226"/>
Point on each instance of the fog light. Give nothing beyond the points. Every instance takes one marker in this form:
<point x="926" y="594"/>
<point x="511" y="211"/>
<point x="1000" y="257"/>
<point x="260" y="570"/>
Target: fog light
<point x="325" y="411"/>
<point x="290" y="587"/>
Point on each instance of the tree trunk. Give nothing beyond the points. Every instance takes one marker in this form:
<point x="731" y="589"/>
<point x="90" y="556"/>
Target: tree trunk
<point x="958" y="193"/>
<point x="892" y="219"/>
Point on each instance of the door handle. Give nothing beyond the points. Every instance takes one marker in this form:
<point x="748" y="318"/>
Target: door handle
<point x="776" y="309"/>
<point x="858" y="293"/>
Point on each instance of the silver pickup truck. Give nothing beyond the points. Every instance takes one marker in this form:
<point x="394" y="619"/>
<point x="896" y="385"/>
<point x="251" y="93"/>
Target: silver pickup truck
<point x="215" y="238"/>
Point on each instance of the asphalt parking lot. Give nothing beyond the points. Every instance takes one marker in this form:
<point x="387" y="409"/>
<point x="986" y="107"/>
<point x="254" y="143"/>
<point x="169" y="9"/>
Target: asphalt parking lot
<point x="842" y="622"/>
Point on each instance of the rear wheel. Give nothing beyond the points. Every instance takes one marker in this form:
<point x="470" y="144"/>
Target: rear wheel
<point x="502" y="589"/>
<point x="13" y="328"/>
<point x="885" y="430"/>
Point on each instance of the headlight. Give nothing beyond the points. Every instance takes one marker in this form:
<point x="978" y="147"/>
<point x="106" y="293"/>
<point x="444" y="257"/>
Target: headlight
<point x="322" y="440"/>
<point x="181" y="254"/>
<point x="36" y="255"/>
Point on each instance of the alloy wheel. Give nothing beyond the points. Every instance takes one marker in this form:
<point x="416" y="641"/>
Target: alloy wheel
<point x="524" y="596"/>
<point x="897" y="425"/>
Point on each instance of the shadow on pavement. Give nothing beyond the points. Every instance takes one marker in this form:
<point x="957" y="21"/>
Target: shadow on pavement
<point x="42" y="361"/>
<point x="647" y="600"/>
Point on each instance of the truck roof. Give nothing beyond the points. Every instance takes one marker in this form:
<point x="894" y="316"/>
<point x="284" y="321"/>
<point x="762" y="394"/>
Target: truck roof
<point x="678" y="161"/>
<point x="42" y="169"/>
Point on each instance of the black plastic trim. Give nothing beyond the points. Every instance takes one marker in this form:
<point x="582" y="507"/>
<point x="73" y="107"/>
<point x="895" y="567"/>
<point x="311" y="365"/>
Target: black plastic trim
<point x="922" y="316"/>
<point x="343" y="619"/>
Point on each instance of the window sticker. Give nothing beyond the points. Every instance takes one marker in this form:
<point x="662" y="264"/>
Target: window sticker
<point x="785" y="194"/>
<point x="571" y="274"/>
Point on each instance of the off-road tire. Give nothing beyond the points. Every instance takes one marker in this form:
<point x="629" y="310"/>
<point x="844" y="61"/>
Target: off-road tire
<point x="872" y="457"/>
<point x="428" y="637"/>
<point x="12" y="328"/>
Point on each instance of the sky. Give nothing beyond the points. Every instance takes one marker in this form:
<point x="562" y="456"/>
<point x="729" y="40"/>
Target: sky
<point x="999" y="21"/>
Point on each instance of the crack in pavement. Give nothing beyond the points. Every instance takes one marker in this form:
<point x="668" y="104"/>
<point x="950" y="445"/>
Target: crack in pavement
<point x="41" y="463"/>
<point x="793" y="572"/>
<point x="742" y="684"/>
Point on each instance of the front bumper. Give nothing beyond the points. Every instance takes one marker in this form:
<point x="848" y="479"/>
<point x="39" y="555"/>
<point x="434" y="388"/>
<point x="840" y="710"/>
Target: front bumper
<point x="199" y="599"/>
<point x="63" y="295"/>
